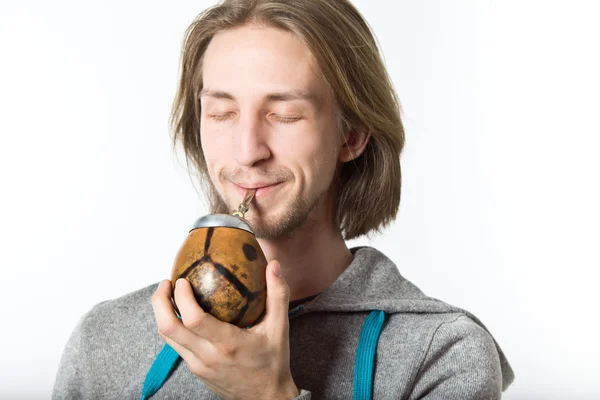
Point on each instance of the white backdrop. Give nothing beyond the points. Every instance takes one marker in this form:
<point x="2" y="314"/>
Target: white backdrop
<point x="499" y="212"/>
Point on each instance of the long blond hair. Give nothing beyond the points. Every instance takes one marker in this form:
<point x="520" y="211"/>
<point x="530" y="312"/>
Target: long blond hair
<point x="347" y="53"/>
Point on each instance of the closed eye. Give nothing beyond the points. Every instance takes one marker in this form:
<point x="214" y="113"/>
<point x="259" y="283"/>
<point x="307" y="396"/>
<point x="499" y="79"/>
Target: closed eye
<point x="220" y="117"/>
<point x="286" y="120"/>
<point x="278" y="118"/>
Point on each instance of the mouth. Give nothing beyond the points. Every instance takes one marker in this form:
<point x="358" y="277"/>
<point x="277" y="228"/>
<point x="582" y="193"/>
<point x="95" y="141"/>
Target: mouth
<point x="262" y="189"/>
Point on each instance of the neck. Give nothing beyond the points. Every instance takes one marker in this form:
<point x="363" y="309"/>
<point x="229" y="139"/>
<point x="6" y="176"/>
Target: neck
<point x="311" y="258"/>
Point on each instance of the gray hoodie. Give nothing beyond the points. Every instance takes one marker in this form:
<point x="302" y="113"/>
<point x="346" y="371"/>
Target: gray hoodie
<point x="426" y="349"/>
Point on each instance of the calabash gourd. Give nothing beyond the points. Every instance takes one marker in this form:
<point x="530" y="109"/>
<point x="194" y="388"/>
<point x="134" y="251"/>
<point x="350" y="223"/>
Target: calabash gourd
<point x="225" y="265"/>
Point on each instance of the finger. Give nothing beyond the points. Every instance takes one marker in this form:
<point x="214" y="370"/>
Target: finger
<point x="186" y="354"/>
<point x="169" y="326"/>
<point x="197" y="364"/>
<point x="278" y="295"/>
<point x="196" y="319"/>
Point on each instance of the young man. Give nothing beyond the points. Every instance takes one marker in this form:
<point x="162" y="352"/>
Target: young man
<point x="290" y="98"/>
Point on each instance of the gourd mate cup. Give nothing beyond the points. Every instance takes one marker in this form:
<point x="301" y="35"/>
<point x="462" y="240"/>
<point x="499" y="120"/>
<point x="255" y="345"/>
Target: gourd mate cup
<point x="225" y="265"/>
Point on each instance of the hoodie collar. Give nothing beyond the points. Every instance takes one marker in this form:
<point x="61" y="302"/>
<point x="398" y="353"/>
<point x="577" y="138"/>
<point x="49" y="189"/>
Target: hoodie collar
<point x="372" y="281"/>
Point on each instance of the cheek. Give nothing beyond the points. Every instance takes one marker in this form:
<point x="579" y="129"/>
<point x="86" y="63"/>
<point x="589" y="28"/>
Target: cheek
<point x="214" y="145"/>
<point x="324" y="162"/>
<point x="312" y="159"/>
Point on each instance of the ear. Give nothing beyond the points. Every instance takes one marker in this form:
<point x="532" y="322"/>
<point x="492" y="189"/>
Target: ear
<point x="354" y="144"/>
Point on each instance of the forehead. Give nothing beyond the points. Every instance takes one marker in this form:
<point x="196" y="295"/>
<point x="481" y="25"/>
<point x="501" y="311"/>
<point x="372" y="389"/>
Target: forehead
<point x="253" y="60"/>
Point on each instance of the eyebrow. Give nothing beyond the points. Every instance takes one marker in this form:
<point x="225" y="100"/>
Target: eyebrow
<point x="270" y="97"/>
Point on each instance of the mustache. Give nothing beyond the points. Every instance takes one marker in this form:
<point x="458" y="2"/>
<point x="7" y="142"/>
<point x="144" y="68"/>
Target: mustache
<point x="238" y="174"/>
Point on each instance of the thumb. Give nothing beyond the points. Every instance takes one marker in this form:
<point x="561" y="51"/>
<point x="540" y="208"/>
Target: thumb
<point x="278" y="295"/>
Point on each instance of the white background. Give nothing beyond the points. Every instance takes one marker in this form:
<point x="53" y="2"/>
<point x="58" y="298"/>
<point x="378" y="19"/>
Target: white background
<point x="499" y="212"/>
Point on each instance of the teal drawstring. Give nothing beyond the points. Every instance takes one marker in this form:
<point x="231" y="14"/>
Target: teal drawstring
<point x="165" y="362"/>
<point x="365" y="355"/>
<point x="159" y="371"/>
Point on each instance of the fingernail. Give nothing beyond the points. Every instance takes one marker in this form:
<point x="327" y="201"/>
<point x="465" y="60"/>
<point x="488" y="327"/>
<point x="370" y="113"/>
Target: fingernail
<point x="277" y="269"/>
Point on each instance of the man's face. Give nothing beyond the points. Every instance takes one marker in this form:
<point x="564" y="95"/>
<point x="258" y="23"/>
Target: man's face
<point x="268" y="122"/>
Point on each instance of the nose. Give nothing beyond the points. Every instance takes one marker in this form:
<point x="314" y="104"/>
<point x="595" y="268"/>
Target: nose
<point x="250" y="141"/>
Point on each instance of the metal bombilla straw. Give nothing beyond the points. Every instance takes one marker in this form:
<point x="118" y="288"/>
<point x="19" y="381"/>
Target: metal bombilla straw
<point x="245" y="204"/>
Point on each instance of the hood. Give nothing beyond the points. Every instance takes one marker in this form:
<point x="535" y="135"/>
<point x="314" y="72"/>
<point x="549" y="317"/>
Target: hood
<point x="372" y="282"/>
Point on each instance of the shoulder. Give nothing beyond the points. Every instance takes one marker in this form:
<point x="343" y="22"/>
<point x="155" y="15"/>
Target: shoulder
<point x="461" y="359"/>
<point x="436" y="332"/>
<point x="125" y="311"/>
<point x="461" y="331"/>
<point x="101" y="338"/>
<point x="124" y="324"/>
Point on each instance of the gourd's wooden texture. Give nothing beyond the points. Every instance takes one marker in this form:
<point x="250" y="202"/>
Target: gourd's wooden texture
<point x="226" y="268"/>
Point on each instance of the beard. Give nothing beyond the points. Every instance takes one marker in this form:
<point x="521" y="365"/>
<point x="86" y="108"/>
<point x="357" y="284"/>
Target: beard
<point x="295" y="215"/>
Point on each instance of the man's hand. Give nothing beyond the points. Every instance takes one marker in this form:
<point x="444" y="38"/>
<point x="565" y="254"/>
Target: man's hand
<point x="234" y="363"/>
